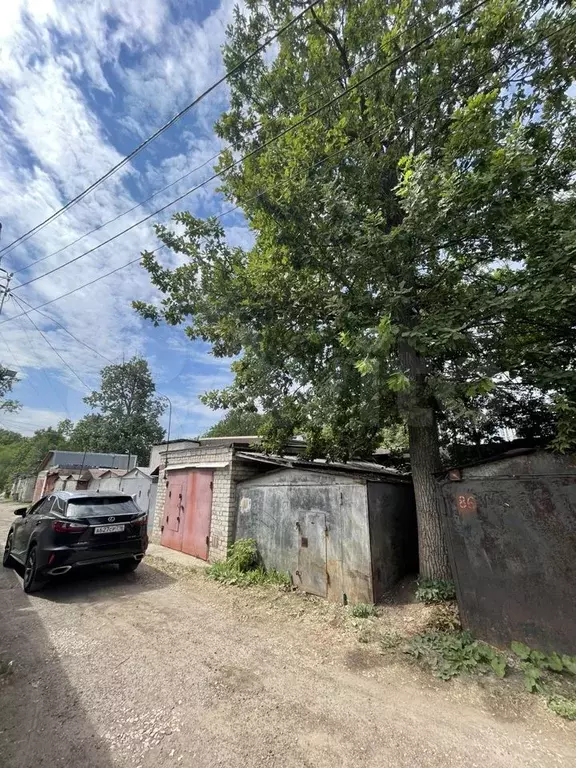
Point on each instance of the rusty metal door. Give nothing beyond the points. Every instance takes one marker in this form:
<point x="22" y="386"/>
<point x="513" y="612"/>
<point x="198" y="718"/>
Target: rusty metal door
<point x="197" y="514"/>
<point x="312" y="571"/>
<point x="172" y="523"/>
<point x="512" y="541"/>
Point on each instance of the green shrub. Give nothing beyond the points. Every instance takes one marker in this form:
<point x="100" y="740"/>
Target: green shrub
<point x="455" y="653"/>
<point x="242" y="568"/>
<point x="432" y="591"/>
<point x="562" y="706"/>
<point x="363" y="610"/>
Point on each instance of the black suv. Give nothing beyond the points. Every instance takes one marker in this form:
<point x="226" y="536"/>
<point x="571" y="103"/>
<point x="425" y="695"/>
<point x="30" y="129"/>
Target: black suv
<point x="71" y="529"/>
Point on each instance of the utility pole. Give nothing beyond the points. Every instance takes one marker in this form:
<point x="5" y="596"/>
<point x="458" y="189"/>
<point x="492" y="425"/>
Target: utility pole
<point x="5" y="278"/>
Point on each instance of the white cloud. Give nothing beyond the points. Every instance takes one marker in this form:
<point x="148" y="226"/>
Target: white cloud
<point x="28" y="420"/>
<point x="77" y="81"/>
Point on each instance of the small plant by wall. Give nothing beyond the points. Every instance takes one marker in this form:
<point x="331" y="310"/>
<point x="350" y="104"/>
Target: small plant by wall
<point x="432" y="591"/>
<point x="242" y="568"/>
<point x="449" y="654"/>
<point x="363" y="610"/>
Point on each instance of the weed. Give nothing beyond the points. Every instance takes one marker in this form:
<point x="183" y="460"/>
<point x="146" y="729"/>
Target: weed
<point x="241" y="568"/>
<point x="366" y="635"/>
<point x="563" y="706"/>
<point x="432" y="591"/>
<point x="444" y="618"/>
<point x="363" y="610"/>
<point x="455" y="653"/>
<point x="534" y="663"/>
<point x="390" y="640"/>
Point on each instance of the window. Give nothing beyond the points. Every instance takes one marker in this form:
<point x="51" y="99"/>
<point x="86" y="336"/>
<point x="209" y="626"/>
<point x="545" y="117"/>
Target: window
<point x="102" y="506"/>
<point x="43" y="507"/>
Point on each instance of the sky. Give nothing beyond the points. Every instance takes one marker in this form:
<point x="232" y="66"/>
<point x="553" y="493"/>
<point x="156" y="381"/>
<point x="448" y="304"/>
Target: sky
<point x="82" y="84"/>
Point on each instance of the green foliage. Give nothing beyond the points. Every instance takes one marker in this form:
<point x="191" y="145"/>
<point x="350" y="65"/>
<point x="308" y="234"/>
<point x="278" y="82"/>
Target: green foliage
<point x="563" y="706"/>
<point x="128" y="414"/>
<point x="535" y="663"/>
<point x="389" y="641"/>
<point x="435" y="591"/>
<point x="363" y="610"/>
<point x="452" y="654"/>
<point x="409" y="264"/>
<point x="242" y="568"/>
<point x="7" y="381"/>
<point x="19" y="454"/>
<point x="237" y="423"/>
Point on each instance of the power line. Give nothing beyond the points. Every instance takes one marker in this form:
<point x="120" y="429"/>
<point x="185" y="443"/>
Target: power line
<point x="47" y="340"/>
<point x="488" y="70"/>
<point x="265" y="144"/>
<point x="185" y="175"/>
<point x="163" y="128"/>
<point x="58" y="323"/>
<point x="48" y="381"/>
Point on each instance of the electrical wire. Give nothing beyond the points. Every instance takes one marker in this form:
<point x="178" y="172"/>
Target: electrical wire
<point x="47" y="340"/>
<point x="48" y="381"/>
<point x="59" y="324"/>
<point x="267" y="143"/>
<point x="489" y="70"/>
<point x="188" y="173"/>
<point x="8" y="248"/>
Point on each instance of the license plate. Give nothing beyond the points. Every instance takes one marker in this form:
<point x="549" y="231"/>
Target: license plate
<point x="108" y="528"/>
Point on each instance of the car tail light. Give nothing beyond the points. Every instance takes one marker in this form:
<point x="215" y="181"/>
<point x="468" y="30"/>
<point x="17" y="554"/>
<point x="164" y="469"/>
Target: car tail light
<point x="142" y="520"/>
<point x="64" y="526"/>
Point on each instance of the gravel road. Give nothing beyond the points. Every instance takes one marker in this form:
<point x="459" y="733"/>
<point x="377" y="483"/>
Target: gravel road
<point x="153" y="669"/>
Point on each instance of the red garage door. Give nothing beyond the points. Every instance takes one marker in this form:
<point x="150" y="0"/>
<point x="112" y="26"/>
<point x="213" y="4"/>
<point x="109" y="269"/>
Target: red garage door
<point x="187" y="512"/>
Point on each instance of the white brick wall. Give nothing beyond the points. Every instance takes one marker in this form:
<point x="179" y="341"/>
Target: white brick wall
<point x="223" y="519"/>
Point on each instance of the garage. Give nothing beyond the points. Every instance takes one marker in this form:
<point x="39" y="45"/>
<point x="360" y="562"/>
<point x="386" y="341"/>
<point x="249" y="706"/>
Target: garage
<point x="344" y="532"/>
<point x="187" y="511"/>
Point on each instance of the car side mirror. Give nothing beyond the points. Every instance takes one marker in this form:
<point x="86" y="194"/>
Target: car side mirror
<point x="21" y="512"/>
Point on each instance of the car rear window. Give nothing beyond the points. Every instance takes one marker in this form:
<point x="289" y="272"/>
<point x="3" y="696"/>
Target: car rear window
<point x="90" y="507"/>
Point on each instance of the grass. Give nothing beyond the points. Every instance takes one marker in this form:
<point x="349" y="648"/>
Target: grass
<point x="363" y="610"/>
<point x="242" y="568"/>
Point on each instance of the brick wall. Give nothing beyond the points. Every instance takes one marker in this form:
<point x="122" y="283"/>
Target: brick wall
<point x="223" y="519"/>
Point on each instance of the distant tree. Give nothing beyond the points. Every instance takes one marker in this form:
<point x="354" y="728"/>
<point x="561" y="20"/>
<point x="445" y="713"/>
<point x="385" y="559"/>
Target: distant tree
<point x="237" y="423"/>
<point x="24" y="454"/>
<point x="128" y="412"/>
<point x="7" y="381"/>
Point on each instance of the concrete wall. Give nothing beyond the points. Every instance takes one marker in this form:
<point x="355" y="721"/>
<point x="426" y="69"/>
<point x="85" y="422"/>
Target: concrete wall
<point x="283" y="509"/>
<point x="223" y="519"/>
<point x="23" y="488"/>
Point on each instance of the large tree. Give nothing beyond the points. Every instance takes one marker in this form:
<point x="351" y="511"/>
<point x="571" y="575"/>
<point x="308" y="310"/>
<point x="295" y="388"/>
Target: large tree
<point x="237" y="423"/>
<point x="414" y="241"/>
<point x="127" y="412"/>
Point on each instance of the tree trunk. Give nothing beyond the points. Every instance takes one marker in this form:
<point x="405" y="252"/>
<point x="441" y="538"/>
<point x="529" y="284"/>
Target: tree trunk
<point x="425" y="461"/>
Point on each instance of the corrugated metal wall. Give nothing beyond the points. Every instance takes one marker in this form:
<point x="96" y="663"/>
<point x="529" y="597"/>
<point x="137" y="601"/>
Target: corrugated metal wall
<point x="316" y="527"/>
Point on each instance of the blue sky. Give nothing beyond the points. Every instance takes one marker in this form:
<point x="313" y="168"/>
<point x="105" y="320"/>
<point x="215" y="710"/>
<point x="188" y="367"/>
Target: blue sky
<point x="81" y="84"/>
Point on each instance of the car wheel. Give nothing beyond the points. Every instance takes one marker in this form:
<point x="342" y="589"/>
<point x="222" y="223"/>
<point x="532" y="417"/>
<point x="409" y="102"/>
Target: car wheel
<point x="7" y="560"/>
<point x="31" y="583"/>
<point x="127" y="566"/>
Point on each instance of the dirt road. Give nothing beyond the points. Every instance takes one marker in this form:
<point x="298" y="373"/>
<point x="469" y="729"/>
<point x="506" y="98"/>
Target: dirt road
<point x="152" y="670"/>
